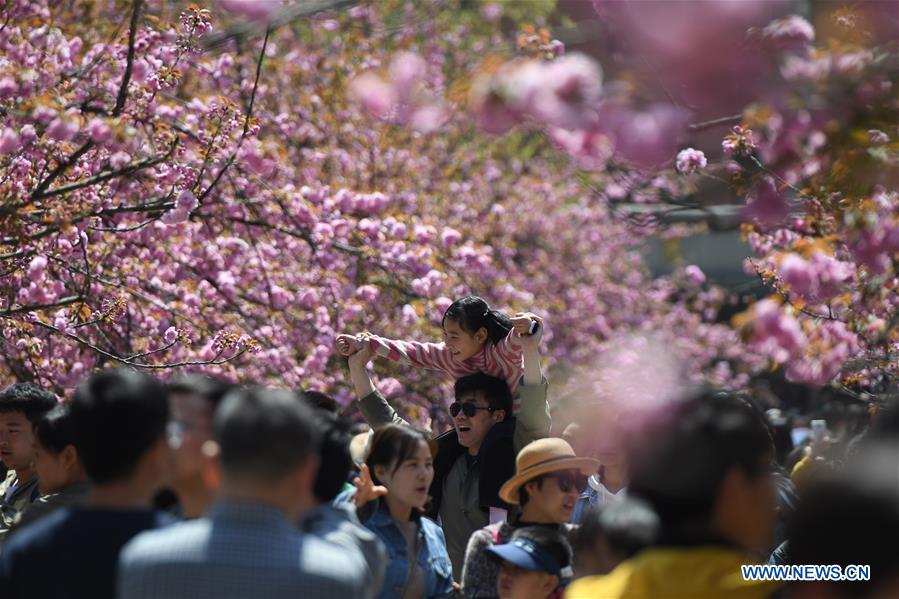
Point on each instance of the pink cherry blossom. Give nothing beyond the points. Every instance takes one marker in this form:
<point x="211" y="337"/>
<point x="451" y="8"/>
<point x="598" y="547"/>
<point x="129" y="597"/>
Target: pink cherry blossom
<point x="9" y="141"/>
<point x="690" y="160"/>
<point x="36" y="267"/>
<point x="450" y="237"/>
<point x="170" y="335"/>
<point x="255" y="10"/>
<point x="100" y="132"/>
<point x="799" y="275"/>
<point x="376" y="96"/>
<point x="407" y="70"/>
<point x="62" y="128"/>
<point x="569" y="93"/>
<point x="776" y="333"/>
<point x="767" y="206"/>
<point x="789" y="30"/>
<point x="694" y="275"/>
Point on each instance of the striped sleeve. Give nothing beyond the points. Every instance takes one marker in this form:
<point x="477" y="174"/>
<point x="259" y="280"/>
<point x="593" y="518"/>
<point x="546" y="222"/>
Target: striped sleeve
<point x="433" y="356"/>
<point x="509" y="355"/>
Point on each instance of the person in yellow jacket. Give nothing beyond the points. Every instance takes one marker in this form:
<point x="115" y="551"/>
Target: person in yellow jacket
<point x="706" y="472"/>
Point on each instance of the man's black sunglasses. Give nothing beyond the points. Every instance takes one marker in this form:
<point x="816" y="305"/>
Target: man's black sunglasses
<point x="467" y="408"/>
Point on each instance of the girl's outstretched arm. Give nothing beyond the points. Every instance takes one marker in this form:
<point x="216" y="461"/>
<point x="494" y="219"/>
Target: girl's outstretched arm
<point x="434" y="356"/>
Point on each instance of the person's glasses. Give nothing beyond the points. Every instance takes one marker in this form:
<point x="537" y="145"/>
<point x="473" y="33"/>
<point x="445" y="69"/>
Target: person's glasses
<point x="467" y="408"/>
<point x="568" y="481"/>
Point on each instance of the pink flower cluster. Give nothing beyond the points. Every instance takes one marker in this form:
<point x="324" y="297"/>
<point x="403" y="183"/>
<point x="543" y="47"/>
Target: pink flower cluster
<point x="776" y="333"/>
<point x="402" y="97"/>
<point x="817" y="279"/>
<point x="564" y="93"/>
<point x="690" y="160"/>
<point x="834" y="345"/>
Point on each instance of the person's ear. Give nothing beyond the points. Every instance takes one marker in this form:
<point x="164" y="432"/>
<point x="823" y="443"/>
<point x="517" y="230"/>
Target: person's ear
<point x="481" y="335"/>
<point x="157" y="463"/>
<point x="499" y="415"/>
<point x="307" y="474"/>
<point x="212" y="477"/>
<point x="69" y="456"/>
<point x="530" y="486"/>
<point x="549" y="584"/>
<point x="380" y="473"/>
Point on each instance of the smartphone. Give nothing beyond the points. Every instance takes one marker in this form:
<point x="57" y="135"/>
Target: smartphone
<point x="533" y="328"/>
<point x="819" y="430"/>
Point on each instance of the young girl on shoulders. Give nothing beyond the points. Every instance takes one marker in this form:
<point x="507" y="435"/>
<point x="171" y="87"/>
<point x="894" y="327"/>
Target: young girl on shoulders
<point x="476" y="339"/>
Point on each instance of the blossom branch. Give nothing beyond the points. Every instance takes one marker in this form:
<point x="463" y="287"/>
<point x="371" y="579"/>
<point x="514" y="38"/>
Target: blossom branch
<point x="126" y="78"/>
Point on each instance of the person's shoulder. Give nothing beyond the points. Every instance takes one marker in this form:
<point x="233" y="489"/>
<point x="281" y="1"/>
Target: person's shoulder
<point x="322" y="559"/>
<point x="620" y="582"/>
<point x="430" y="526"/>
<point x="487" y="534"/>
<point x="166" y="541"/>
<point x="40" y="532"/>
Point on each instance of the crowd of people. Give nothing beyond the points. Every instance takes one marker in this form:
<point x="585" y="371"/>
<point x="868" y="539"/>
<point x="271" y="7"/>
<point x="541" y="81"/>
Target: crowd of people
<point x="200" y="488"/>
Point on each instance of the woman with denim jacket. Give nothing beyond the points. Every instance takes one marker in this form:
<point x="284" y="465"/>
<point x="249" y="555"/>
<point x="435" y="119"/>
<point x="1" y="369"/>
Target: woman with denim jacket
<point x="391" y="497"/>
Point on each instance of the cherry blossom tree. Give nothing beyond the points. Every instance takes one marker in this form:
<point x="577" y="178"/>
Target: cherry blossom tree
<point x="226" y="188"/>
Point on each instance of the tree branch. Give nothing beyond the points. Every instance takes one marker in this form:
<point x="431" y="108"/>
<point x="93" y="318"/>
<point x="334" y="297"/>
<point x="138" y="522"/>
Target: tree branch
<point x="734" y="118"/>
<point x="107" y="175"/>
<point x="126" y="78"/>
<point x="246" y="122"/>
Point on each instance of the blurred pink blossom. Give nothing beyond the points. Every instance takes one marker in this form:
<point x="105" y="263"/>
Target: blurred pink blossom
<point x="62" y="128"/>
<point x="428" y="118"/>
<point x="789" y="30"/>
<point x="186" y="201"/>
<point x="9" y="141"/>
<point x="767" y="206"/>
<point x="569" y="91"/>
<point x="591" y="148"/>
<point x="254" y="10"/>
<point x="407" y="71"/>
<point x="798" y="274"/>
<point x="646" y="138"/>
<point x="36" y="267"/>
<point x="694" y="274"/>
<point x="492" y="12"/>
<point x="450" y="237"/>
<point x="99" y="131"/>
<point x="739" y="142"/>
<point x="878" y="137"/>
<point x="775" y="333"/>
<point x="690" y="160"/>
<point x="376" y="96"/>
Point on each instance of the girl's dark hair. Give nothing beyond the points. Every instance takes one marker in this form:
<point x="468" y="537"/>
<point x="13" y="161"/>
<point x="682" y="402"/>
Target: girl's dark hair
<point x="55" y="431"/>
<point x="392" y="445"/>
<point x="473" y="313"/>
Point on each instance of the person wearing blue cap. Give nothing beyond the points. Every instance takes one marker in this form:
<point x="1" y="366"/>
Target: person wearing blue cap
<point x="532" y="564"/>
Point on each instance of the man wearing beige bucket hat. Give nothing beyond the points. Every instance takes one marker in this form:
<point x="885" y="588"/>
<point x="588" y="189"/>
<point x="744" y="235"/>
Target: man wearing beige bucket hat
<point x="549" y="478"/>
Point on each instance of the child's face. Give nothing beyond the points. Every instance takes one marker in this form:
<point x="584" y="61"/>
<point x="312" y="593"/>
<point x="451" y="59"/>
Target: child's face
<point x="517" y="583"/>
<point x="463" y="345"/>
